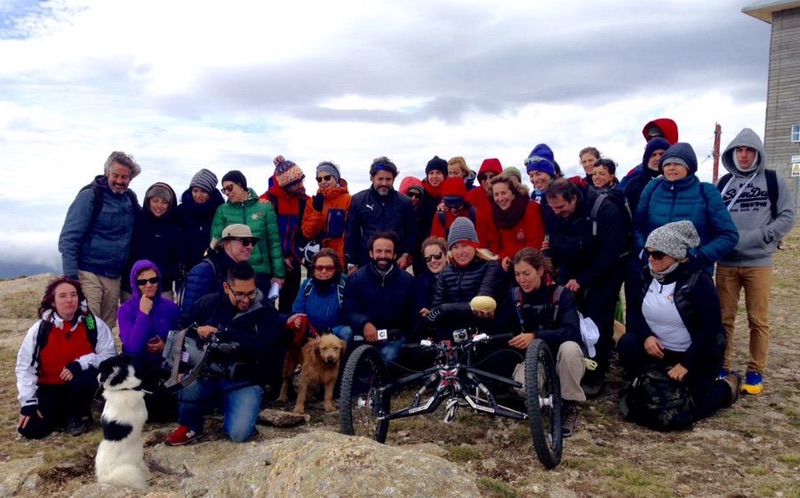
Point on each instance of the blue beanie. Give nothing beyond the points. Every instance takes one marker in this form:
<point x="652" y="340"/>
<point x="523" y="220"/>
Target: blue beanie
<point x="541" y="159"/>
<point x="680" y="153"/>
<point x="652" y="146"/>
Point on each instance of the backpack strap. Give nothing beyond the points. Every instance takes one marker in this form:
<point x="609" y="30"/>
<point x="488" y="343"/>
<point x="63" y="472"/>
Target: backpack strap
<point x="772" y="191"/>
<point x="557" y="300"/>
<point x="45" y="326"/>
<point x="601" y="196"/>
<point x="516" y="298"/>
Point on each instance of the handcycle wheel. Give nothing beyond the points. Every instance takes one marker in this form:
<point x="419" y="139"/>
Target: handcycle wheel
<point x="543" y="401"/>
<point x="360" y="399"/>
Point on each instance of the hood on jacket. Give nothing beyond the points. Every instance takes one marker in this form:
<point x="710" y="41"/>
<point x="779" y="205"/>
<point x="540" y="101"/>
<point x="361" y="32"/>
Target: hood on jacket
<point x="745" y="138"/>
<point x="138" y="267"/>
<point x="652" y="146"/>
<point x="682" y="151"/>
<point x="211" y="205"/>
<point x="490" y="165"/>
<point x="410" y="182"/>
<point x="667" y="126"/>
<point x="160" y="189"/>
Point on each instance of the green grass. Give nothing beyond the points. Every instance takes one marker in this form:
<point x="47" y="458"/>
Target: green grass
<point x="462" y="453"/>
<point x="493" y="488"/>
<point x="629" y="481"/>
<point x="789" y="458"/>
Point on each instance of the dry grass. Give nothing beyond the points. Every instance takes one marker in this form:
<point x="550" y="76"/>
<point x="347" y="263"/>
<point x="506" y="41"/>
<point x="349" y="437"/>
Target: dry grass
<point x="748" y="450"/>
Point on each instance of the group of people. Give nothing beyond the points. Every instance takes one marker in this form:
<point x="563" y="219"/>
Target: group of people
<point x="388" y="266"/>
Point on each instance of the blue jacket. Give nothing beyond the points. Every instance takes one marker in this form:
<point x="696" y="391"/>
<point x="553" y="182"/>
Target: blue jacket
<point x="387" y="301"/>
<point x="690" y="199"/>
<point x="101" y="248"/>
<point x="204" y="278"/>
<point x="322" y="308"/>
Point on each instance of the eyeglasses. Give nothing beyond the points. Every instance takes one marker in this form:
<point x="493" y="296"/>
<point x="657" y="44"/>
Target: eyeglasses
<point x="324" y="267"/>
<point x="656" y="255"/>
<point x="415" y="195"/>
<point x="245" y="241"/>
<point x="324" y="178"/>
<point x="241" y="296"/>
<point x="145" y="281"/>
<point x="228" y="188"/>
<point x="437" y="257"/>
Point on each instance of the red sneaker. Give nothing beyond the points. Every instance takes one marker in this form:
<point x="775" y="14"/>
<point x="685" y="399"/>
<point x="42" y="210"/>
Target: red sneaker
<point x="182" y="435"/>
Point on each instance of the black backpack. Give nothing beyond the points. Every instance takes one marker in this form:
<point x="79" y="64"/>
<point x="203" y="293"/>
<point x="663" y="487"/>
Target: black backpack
<point x="659" y="402"/>
<point x="772" y="189"/>
<point x="97" y="204"/>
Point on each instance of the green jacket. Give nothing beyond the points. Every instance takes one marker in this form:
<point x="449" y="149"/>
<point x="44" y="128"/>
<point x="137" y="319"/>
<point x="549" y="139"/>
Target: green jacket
<point x="267" y="257"/>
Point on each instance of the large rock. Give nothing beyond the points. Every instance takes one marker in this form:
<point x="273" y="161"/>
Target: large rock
<point x="317" y="463"/>
<point x="19" y="476"/>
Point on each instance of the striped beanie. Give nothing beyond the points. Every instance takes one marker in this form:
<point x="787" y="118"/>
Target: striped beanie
<point x="205" y="180"/>
<point x="462" y="230"/>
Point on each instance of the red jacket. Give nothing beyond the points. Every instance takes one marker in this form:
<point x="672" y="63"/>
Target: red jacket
<point x="328" y="226"/>
<point x="505" y="242"/>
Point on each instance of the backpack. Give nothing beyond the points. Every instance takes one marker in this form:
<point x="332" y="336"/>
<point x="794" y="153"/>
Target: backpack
<point x="97" y="204"/>
<point x="659" y="402"/>
<point x="772" y="189"/>
<point x="339" y="288"/>
<point x="602" y="195"/>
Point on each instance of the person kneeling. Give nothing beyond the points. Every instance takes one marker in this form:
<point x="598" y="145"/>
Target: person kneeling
<point x="676" y="325"/>
<point x="539" y="309"/>
<point x="249" y="354"/>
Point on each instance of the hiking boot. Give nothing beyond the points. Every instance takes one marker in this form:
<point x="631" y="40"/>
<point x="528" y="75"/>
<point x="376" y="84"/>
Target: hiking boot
<point x="569" y="418"/>
<point x="182" y="435"/>
<point x="753" y="383"/>
<point x="593" y="383"/>
<point x="77" y="426"/>
<point x="734" y="381"/>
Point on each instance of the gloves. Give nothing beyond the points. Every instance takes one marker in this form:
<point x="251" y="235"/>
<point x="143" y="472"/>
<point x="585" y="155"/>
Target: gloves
<point x="434" y="314"/>
<point x="75" y="368"/>
<point x="29" y="410"/>
<point x="317" y="202"/>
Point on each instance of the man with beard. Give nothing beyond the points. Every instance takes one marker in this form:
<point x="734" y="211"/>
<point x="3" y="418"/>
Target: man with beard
<point x="96" y="237"/>
<point x="379" y="299"/>
<point x="377" y="209"/>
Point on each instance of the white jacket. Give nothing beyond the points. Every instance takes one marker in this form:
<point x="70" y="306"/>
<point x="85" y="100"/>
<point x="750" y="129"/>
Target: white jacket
<point x="27" y="366"/>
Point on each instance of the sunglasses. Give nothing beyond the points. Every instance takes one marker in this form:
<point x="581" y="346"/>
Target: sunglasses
<point x="145" y="281"/>
<point x="324" y="178"/>
<point x="324" y="267"/>
<point x="415" y="195"/>
<point x="437" y="257"/>
<point x="241" y="296"/>
<point x="656" y="255"/>
<point x="245" y="241"/>
<point x="227" y="189"/>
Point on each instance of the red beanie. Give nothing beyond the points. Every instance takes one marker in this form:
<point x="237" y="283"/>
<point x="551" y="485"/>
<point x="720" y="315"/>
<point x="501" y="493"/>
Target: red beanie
<point x="491" y="165"/>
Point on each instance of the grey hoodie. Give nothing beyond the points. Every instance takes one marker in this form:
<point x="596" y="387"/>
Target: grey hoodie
<point x="758" y="232"/>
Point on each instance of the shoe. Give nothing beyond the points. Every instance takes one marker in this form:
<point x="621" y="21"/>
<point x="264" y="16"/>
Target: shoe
<point x="734" y="381"/>
<point x="753" y="383"/>
<point x="182" y="435"/>
<point x="77" y="426"/>
<point x="722" y="374"/>
<point x="569" y="418"/>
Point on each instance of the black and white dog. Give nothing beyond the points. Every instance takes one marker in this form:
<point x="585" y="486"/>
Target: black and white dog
<point x="120" y="456"/>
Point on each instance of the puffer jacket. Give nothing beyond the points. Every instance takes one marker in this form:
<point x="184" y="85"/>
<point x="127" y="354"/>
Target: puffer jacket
<point x="321" y="307"/>
<point x="102" y="248"/>
<point x="267" y="257"/>
<point x="690" y="199"/>
<point x="456" y="286"/>
<point x="136" y="327"/>
<point x="328" y="226"/>
<point x="289" y="210"/>
<point x="204" y="278"/>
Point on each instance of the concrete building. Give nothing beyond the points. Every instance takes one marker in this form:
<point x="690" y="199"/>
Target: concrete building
<point x="782" y="127"/>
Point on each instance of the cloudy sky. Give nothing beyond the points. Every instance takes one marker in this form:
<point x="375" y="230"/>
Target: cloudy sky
<point x="183" y="85"/>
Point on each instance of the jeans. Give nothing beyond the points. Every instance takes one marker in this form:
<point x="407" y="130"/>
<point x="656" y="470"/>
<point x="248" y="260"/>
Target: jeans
<point x="390" y="350"/>
<point x="241" y="403"/>
<point x="756" y="283"/>
<point x="345" y="333"/>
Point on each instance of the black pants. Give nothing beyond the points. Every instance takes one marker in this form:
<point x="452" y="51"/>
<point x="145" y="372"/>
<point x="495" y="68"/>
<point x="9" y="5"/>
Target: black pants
<point x="59" y="402"/>
<point x="291" y="286"/>
<point x="709" y="394"/>
<point x="598" y="302"/>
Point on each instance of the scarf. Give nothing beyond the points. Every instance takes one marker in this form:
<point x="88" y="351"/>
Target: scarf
<point x="513" y="215"/>
<point x="431" y="190"/>
<point x="666" y="276"/>
<point x="323" y="285"/>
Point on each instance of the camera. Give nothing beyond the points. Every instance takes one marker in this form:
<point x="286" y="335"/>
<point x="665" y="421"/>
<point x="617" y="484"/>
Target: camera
<point x="460" y="335"/>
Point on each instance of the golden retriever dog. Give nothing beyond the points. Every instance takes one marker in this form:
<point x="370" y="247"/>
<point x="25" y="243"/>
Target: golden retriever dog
<point x="321" y="361"/>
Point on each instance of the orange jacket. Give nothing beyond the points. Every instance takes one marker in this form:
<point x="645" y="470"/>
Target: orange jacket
<point x="328" y="226"/>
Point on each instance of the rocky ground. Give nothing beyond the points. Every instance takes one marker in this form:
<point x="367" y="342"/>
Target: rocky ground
<point x="752" y="449"/>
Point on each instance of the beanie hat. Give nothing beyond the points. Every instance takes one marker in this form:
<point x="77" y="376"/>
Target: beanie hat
<point x="329" y="168"/>
<point x="673" y="239"/>
<point x="491" y="165"/>
<point x="513" y="171"/>
<point x="653" y="145"/>
<point x="541" y="159"/>
<point x="453" y="192"/>
<point x="205" y="180"/>
<point x="410" y="182"/>
<point x="287" y="173"/>
<point x="680" y="153"/>
<point x="160" y="190"/>
<point x="438" y="164"/>
<point x="462" y="230"/>
<point x="236" y="177"/>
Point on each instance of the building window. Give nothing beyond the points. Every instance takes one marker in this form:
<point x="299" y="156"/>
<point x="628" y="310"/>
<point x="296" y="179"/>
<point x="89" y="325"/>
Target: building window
<point x="796" y="133"/>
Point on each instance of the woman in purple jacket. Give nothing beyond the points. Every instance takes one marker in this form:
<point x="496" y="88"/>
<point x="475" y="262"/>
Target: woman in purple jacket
<point x="144" y="322"/>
